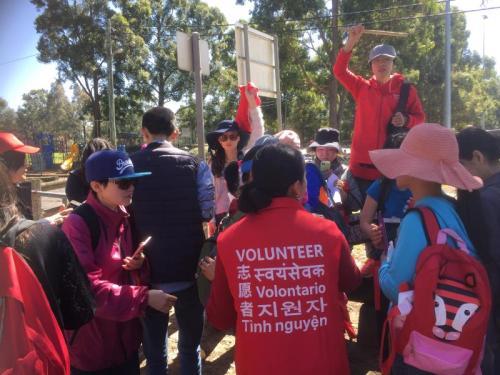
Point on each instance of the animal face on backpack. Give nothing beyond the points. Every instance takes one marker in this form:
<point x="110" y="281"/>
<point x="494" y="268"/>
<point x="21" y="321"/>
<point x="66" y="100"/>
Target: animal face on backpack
<point x="455" y="302"/>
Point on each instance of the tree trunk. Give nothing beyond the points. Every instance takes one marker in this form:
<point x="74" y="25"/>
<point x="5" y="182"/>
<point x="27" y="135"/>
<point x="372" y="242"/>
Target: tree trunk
<point x="96" y="107"/>
<point x="342" y="99"/>
<point x="161" y="90"/>
<point x="333" y="84"/>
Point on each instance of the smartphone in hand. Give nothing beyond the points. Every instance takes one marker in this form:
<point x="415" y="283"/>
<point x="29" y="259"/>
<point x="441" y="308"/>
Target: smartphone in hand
<point x="141" y="247"/>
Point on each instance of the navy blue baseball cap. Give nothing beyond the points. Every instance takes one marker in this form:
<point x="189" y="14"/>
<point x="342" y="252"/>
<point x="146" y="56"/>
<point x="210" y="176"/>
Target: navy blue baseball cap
<point x="110" y="164"/>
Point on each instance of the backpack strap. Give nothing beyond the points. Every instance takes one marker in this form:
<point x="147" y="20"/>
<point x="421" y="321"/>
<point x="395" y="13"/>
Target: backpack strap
<point x="430" y="222"/>
<point x="87" y="213"/>
<point x="14" y="229"/>
<point x="403" y="97"/>
<point x="385" y="188"/>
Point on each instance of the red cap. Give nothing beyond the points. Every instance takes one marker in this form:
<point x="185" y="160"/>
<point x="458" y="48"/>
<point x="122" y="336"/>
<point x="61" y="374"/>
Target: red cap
<point x="9" y="142"/>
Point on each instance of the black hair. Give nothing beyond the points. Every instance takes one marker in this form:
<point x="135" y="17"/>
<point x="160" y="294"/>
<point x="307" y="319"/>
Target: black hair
<point x="473" y="139"/>
<point x="8" y="200"/>
<point x="159" y="120"/>
<point x="232" y="177"/>
<point x="13" y="160"/>
<point x="218" y="160"/>
<point x="275" y="168"/>
<point x="94" y="145"/>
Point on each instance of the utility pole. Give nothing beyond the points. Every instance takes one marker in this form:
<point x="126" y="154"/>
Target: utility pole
<point x="195" y="39"/>
<point x="278" y="82"/>
<point x="111" y="99"/>
<point x="447" y="70"/>
<point x="333" y="84"/>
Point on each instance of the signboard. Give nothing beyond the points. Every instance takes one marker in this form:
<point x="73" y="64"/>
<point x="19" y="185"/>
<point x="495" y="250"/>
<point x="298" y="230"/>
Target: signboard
<point x="262" y="63"/>
<point x="185" y="54"/>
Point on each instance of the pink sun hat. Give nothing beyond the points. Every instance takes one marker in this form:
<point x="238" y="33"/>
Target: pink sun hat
<point x="429" y="152"/>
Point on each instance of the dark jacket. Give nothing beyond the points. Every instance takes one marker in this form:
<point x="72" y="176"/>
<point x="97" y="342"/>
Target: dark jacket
<point x="482" y="220"/>
<point x="165" y="206"/>
<point x="77" y="187"/>
<point x="50" y="255"/>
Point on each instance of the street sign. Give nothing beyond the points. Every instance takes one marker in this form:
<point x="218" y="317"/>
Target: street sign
<point x="260" y="68"/>
<point x="185" y="53"/>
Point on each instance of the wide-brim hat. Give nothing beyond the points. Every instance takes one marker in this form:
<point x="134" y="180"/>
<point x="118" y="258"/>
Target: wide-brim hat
<point x="382" y="50"/>
<point x="326" y="137"/>
<point x="9" y="142"/>
<point x="110" y="165"/>
<point x="223" y="127"/>
<point x="430" y="153"/>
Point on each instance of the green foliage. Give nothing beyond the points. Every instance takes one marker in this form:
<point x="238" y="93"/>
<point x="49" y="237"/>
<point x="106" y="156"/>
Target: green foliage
<point x="146" y="73"/>
<point x="307" y="53"/>
<point x="8" y="117"/>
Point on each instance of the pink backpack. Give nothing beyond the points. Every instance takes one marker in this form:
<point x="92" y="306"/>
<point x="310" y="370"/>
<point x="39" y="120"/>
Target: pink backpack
<point x="440" y="326"/>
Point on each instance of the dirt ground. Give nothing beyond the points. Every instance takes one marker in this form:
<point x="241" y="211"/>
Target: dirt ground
<point x="219" y="346"/>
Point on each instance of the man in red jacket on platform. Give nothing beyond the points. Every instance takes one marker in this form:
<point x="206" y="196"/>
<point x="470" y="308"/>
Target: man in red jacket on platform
<point x="376" y="101"/>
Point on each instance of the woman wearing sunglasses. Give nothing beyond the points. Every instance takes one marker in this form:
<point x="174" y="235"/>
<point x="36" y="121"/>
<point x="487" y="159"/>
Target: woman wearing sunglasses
<point x="109" y="343"/>
<point x="226" y="145"/>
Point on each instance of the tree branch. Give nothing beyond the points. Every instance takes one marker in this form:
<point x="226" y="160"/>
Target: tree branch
<point x="320" y="55"/>
<point x="319" y="88"/>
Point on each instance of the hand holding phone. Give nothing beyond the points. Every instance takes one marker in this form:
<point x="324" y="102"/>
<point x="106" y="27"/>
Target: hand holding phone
<point x="140" y="248"/>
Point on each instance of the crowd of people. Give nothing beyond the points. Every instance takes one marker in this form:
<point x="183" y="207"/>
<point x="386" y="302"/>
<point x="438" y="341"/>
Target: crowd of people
<point x="84" y="290"/>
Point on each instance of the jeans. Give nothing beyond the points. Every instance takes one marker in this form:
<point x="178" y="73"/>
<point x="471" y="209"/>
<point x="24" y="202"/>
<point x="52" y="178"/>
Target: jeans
<point x="189" y="315"/>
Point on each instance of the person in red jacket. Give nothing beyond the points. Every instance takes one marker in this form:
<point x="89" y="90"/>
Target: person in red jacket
<point x="279" y="274"/>
<point x="376" y="101"/>
<point x="109" y="344"/>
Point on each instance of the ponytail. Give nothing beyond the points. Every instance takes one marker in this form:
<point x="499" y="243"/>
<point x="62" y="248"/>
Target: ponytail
<point x="252" y="199"/>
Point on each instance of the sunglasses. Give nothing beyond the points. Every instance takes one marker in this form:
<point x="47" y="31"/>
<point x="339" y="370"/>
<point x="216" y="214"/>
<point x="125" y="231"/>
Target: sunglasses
<point x="225" y="137"/>
<point x="124" y="184"/>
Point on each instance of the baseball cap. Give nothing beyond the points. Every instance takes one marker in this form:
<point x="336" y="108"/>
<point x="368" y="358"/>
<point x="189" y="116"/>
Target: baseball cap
<point x="382" y="50"/>
<point x="110" y="164"/>
<point x="9" y="142"/>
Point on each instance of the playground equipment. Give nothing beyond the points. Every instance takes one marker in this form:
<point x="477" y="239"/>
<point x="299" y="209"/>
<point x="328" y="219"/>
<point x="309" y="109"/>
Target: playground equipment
<point x="74" y="155"/>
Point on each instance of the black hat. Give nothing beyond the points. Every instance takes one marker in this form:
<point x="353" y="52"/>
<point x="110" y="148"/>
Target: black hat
<point x="223" y="127"/>
<point x="326" y="137"/>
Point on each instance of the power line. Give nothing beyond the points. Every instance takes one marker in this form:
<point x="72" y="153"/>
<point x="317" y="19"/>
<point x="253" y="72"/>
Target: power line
<point x="315" y="18"/>
<point x="18" y="59"/>
<point x="422" y="16"/>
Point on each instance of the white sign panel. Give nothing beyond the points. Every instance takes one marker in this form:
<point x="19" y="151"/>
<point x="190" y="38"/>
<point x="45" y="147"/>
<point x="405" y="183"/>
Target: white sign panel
<point x="262" y="62"/>
<point x="185" y="53"/>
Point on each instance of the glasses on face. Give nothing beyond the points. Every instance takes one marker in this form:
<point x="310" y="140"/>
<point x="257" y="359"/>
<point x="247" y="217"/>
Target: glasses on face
<point x="124" y="184"/>
<point x="224" y="137"/>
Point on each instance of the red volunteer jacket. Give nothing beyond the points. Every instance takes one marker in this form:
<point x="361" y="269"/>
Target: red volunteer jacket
<point x="115" y="333"/>
<point x="375" y="106"/>
<point x="278" y="277"/>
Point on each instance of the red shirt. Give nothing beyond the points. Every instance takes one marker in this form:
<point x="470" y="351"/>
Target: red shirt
<point x="375" y="106"/>
<point x="278" y="278"/>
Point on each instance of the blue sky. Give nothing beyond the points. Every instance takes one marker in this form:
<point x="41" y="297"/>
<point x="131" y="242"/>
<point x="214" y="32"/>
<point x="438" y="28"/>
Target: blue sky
<point x="18" y="39"/>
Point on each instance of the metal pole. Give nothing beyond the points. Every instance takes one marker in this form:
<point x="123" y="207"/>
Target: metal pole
<point x="447" y="79"/>
<point x="195" y="40"/>
<point x="278" y="83"/>
<point x="111" y="99"/>
<point x="247" y="53"/>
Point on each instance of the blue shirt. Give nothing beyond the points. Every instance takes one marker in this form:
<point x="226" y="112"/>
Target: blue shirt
<point x="396" y="201"/>
<point x="412" y="240"/>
